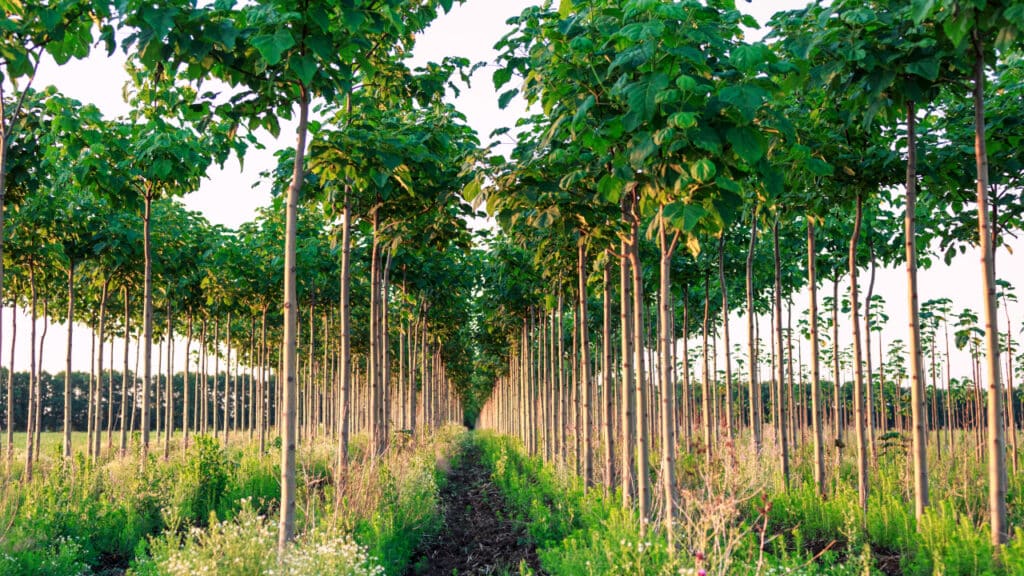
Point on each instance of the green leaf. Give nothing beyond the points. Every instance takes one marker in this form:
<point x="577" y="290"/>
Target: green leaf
<point x="921" y="9"/>
<point x="748" y="143"/>
<point x="683" y="120"/>
<point x="686" y="83"/>
<point x="584" y="108"/>
<point x="703" y="170"/>
<point x="747" y="99"/>
<point x="304" y="67"/>
<point x="507" y="97"/>
<point x="819" y="167"/>
<point x="273" y="46"/>
<point x="446" y="5"/>
<point x="502" y="77"/>
<point x="748" y="57"/>
<point x="641" y="148"/>
<point x="927" y="68"/>
<point x="610" y="188"/>
<point x="957" y="27"/>
<point x="565" y="8"/>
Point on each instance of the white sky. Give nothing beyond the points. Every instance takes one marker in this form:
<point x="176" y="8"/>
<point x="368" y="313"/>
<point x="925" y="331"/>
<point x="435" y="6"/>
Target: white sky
<point x="470" y="30"/>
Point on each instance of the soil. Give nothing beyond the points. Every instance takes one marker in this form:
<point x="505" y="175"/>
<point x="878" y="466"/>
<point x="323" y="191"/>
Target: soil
<point x="477" y="536"/>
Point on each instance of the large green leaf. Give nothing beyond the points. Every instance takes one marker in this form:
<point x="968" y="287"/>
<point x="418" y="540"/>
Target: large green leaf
<point x="703" y="170"/>
<point x="273" y="46"/>
<point x="748" y="143"/>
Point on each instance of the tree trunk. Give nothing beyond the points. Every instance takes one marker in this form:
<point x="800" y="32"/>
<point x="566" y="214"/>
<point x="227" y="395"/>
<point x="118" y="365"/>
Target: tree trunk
<point x="585" y="389"/>
<point x="123" y="445"/>
<point x="780" y="386"/>
<point x="754" y="389"/>
<point x="608" y="410"/>
<point x="858" y="382"/>
<point x="289" y="391"/>
<point x="917" y="394"/>
<point x="997" y="480"/>
<point x="628" y="399"/>
<point x="729" y="422"/>
<point x="10" y="390"/>
<point x="99" y="365"/>
<point x="345" y="395"/>
<point x="147" y="320"/>
<point x="642" y="443"/>
<point x="32" y="382"/>
<point x="816" y="418"/>
<point x="67" y="365"/>
<point x="667" y="386"/>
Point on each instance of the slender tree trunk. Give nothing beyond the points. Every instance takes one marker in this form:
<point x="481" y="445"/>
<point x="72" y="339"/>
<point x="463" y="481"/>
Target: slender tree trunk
<point x="917" y="394"/>
<point x="607" y="405"/>
<point x="754" y="388"/>
<point x="147" y="320"/>
<point x="729" y="421"/>
<point x="286" y="529"/>
<point x="858" y="382"/>
<point x="867" y="355"/>
<point x="99" y="366"/>
<point x="584" y="359"/>
<point x="816" y="418"/>
<point x="184" y="393"/>
<point x="706" y="388"/>
<point x="996" y="431"/>
<point x="628" y="399"/>
<point x="780" y="387"/>
<point x="32" y="382"/>
<point x="10" y="388"/>
<point x="67" y="366"/>
<point x="345" y="395"/>
<point x="667" y="386"/>
<point x="837" y="390"/>
<point x="642" y="443"/>
<point x="123" y="445"/>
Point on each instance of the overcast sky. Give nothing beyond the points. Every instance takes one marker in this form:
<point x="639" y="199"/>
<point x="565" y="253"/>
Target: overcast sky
<point x="470" y="30"/>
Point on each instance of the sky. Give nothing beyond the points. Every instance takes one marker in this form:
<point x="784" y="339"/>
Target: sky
<point x="228" y="196"/>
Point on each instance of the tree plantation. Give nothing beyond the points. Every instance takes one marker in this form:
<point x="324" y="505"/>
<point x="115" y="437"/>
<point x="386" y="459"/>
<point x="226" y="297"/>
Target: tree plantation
<point x="679" y="317"/>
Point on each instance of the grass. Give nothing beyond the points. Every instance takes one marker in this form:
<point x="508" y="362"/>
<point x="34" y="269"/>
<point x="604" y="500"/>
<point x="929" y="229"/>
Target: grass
<point x="735" y="518"/>
<point x="186" y="514"/>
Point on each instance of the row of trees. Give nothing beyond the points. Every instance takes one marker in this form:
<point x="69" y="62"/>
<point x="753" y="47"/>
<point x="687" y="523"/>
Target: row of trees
<point x="698" y="166"/>
<point x="367" y="238"/>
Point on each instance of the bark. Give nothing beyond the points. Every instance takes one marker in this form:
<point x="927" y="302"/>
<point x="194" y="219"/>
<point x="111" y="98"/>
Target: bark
<point x="628" y="399"/>
<point x="997" y="480"/>
<point x="780" y="387"/>
<point x="642" y="443"/>
<point x="707" y="416"/>
<point x="344" y="396"/>
<point x="147" y="319"/>
<point x="67" y="365"/>
<point x="917" y="393"/>
<point x="10" y="391"/>
<point x="816" y="418"/>
<point x="858" y="382"/>
<point x="99" y="364"/>
<point x="585" y="389"/>
<point x="754" y="388"/>
<point x="289" y="391"/>
<point x="729" y="421"/>
<point x="32" y="383"/>
<point x="607" y="405"/>
<point x="123" y="444"/>
<point x="667" y="387"/>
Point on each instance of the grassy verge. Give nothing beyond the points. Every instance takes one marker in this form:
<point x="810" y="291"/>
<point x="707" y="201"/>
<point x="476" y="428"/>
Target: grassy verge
<point x="213" y="510"/>
<point x="736" y="519"/>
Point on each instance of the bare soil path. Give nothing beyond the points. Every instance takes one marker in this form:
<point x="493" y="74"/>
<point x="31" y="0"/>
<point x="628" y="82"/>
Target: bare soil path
<point x="477" y="536"/>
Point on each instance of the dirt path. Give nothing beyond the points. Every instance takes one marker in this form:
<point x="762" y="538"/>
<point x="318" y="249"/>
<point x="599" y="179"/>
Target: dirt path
<point x="476" y="536"/>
